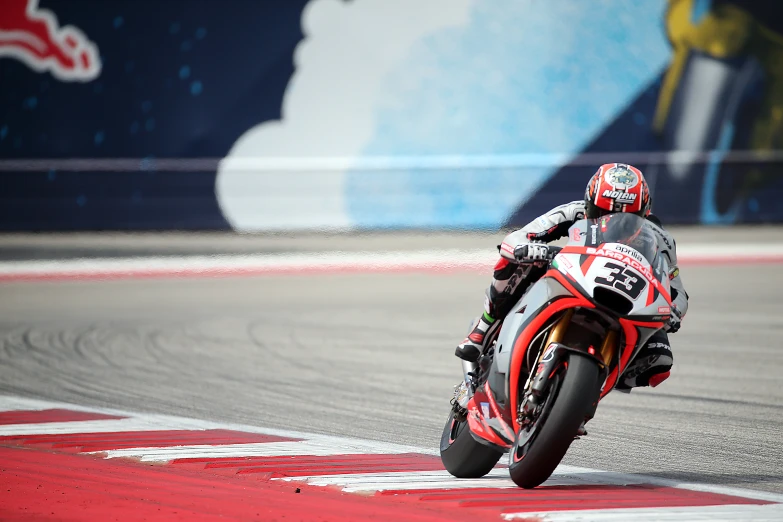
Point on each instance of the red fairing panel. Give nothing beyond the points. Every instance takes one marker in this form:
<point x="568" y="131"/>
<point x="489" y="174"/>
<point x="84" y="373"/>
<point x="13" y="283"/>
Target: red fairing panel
<point x="524" y="339"/>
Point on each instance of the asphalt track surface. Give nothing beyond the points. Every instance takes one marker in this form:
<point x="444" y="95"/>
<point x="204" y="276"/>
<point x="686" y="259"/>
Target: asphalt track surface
<point x="371" y="356"/>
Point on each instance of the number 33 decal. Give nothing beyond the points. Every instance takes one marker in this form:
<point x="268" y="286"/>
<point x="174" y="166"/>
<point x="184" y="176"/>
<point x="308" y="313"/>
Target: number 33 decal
<point x="623" y="279"/>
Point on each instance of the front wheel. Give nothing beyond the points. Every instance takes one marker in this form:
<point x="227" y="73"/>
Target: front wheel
<point x="461" y="454"/>
<point x="539" y="449"/>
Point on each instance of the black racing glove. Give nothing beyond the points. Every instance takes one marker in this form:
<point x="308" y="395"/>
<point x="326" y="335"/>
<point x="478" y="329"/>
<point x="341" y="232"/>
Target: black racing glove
<point x="674" y="321"/>
<point x="531" y="252"/>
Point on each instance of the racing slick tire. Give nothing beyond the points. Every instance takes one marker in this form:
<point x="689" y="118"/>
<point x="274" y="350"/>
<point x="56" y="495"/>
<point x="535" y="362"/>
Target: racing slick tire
<point x="537" y="452"/>
<point x="461" y="454"/>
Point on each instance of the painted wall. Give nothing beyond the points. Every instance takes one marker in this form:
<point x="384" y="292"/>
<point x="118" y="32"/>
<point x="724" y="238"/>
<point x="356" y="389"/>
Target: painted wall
<point x="339" y="114"/>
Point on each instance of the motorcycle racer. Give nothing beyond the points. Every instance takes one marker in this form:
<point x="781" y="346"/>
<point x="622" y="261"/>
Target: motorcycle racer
<point x="615" y="187"/>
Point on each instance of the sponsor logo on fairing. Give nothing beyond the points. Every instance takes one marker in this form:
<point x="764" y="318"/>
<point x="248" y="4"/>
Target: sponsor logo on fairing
<point x="485" y="409"/>
<point x="628" y="251"/>
<point x="664" y="310"/>
<point x="594" y="232"/>
<point x="645" y="271"/>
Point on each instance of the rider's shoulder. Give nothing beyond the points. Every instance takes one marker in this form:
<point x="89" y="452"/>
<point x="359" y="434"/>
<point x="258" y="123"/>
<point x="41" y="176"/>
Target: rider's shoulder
<point x="655" y="220"/>
<point x="571" y="211"/>
<point x="664" y="235"/>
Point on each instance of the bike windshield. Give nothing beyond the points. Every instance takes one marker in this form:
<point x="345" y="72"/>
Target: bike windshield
<point x="626" y="229"/>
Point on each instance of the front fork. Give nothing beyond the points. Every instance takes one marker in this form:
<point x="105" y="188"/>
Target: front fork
<point x="552" y="357"/>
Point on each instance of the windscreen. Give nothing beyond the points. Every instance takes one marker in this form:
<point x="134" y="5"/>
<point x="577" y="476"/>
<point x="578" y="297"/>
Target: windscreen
<point x="626" y="229"/>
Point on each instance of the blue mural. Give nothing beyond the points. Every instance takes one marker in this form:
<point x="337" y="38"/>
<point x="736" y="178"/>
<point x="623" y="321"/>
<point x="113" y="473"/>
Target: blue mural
<point x="715" y="106"/>
<point x="338" y="114"/>
<point x="518" y="92"/>
<point x="182" y="78"/>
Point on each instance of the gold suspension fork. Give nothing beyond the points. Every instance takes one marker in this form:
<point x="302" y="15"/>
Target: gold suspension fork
<point x="558" y="332"/>
<point x="609" y="347"/>
<point x="555" y="335"/>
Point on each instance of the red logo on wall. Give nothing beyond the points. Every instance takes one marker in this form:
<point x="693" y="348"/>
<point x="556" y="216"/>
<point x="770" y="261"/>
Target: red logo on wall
<point x="34" y="37"/>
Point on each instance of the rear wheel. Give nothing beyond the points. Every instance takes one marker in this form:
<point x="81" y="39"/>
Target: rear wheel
<point x="461" y="454"/>
<point x="539" y="448"/>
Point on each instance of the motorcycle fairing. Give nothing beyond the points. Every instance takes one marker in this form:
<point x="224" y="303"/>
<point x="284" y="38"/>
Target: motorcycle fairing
<point x="634" y="271"/>
<point x="521" y="343"/>
<point x="489" y="414"/>
<point x="586" y="266"/>
<point x="486" y="420"/>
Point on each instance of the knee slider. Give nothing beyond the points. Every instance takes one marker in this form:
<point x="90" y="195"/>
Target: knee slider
<point x="504" y="269"/>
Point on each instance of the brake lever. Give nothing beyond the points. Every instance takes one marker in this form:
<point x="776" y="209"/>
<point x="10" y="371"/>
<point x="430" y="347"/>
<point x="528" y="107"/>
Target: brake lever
<point x="553" y="251"/>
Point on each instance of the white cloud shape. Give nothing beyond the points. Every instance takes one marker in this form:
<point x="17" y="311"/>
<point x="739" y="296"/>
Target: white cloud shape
<point x="328" y="110"/>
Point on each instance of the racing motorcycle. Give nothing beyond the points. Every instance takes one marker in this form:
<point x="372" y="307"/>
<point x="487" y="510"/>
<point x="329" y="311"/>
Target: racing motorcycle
<point x="560" y="350"/>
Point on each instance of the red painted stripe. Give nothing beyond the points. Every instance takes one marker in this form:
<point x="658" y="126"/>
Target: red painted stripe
<point x="141" y="439"/>
<point x="561" y="498"/>
<point x="242" y="272"/>
<point x="55" y="415"/>
<point x="704" y="260"/>
<point x="58" y="486"/>
<point x="587" y="264"/>
<point x="302" y="271"/>
<point x="304" y="465"/>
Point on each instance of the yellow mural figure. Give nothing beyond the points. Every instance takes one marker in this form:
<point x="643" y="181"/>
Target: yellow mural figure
<point x="725" y="31"/>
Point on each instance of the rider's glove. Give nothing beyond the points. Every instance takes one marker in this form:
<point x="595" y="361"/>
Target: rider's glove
<point x="531" y="252"/>
<point x="674" y="321"/>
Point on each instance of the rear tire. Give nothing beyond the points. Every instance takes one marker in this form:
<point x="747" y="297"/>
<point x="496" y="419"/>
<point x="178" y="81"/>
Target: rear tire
<point x="462" y="455"/>
<point x="574" y="399"/>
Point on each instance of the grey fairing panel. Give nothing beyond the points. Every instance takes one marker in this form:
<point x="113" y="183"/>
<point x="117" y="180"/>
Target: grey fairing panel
<point x="532" y="302"/>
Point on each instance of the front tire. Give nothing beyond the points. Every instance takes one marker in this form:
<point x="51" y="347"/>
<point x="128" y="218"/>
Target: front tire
<point x="461" y="454"/>
<point x="534" y="457"/>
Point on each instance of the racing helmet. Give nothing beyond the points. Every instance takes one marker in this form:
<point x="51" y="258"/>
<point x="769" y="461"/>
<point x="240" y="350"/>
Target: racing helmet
<point x="616" y="187"/>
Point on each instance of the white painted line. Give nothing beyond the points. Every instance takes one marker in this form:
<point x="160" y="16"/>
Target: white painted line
<point x="609" y="477"/>
<point x="154" y="421"/>
<point x="733" y="513"/>
<point x="94" y="426"/>
<point x="403" y="481"/>
<point x="436" y="259"/>
<point x="427" y="260"/>
<point x="22" y="404"/>
<point x="11" y="403"/>
<point x="497" y="478"/>
<point x="263" y="449"/>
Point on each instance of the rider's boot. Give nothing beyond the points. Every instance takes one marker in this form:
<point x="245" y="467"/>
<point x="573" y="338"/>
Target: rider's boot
<point x="506" y="279"/>
<point x="470" y="349"/>
<point x="651" y="366"/>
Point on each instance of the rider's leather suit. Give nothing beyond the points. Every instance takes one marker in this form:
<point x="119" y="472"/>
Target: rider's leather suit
<point x="651" y="366"/>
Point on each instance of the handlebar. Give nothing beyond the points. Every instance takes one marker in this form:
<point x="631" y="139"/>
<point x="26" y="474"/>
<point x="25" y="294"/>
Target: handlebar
<point x="553" y="251"/>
